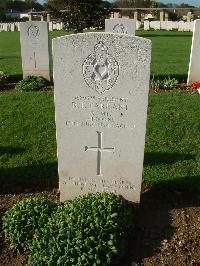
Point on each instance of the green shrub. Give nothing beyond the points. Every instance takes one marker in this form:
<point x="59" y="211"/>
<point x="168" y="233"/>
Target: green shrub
<point x="167" y="83"/>
<point x="22" y="220"/>
<point x="90" y="230"/>
<point x="31" y="83"/>
<point x="3" y="79"/>
<point x="155" y="83"/>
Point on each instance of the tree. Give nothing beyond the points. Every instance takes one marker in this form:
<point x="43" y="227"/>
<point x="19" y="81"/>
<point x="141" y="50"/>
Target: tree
<point x="79" y="14"/>
<point x="22" y="5"/>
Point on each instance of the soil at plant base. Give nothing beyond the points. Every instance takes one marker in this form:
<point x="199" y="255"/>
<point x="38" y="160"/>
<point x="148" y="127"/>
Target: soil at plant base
<point x="167" y="230"/>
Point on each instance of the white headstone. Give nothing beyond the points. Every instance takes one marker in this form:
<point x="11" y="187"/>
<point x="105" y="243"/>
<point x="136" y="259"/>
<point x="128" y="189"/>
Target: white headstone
<point x="101" y="94"/>
<point x="155" y="25"/>
<point x="169" y="25"/>
<point x="50" y="26"/>
<point x="175" y="25"/>
<point x="194" y="67"/>
<point x="58" y="26"/>
<point x="146" y="25"/>
<point x="138" y="24"/>
<point x="54" y="26"/>
<point x="163" y="25"/>
<point x="35" y="48"/>
<point x="5" y="27"/>
<point x="120" y="25"/>
<point x="181" y="25"/>
<point x="187" y="26"/>
<point x="12" y="27"/>
<point x="191" y="26"/>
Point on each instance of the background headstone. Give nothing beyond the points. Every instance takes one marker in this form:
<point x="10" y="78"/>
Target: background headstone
<point x="35" y="48"/>
<point x="50" y="25"/>
<point x="138" y="25"/>
<point x="194" y="67"/>
<point x="146" y="25"/>
<point x="120" y="25"/>
<point x="155" y="25"/>
<point x="181" y="25"/>
<point x="101" y="94"/>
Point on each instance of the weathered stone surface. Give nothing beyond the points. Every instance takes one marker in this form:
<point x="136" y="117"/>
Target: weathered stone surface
<point x="194" y="67"/>
<point x="35" y="48"/>
<point x="101" y="94"/>
<point x="120" y="25"/>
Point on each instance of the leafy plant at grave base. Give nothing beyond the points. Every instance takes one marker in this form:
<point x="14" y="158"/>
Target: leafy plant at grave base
<point x="166" y="83"/>
<point x="22" y="220"/>
<point x="3" y="79"/>
<point x="90" y="230"/>
<point x="194" y="86"/>
<point x="155" y="83"/>
<point x="169" y="83"/>
<point x="31" y="83"/>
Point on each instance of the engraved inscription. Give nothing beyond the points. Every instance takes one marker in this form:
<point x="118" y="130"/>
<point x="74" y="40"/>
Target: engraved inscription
<point x="99" y="151"/>
<point x="35" y="62"/>
<point x="33" y="31"/>
<point x="100" y="111"/>
<point x="120" y="28"/>
<point x="100" y="69"/>
<point x="103" y="185"/>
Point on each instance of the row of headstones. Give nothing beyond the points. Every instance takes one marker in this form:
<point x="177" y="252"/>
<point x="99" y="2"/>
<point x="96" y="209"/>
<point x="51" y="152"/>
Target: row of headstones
<point x="10" y="26"/>
<point x="169" y="25"/>
<point x="156" y="25"/>
<point x="101" y="84"/>
<point x="15" y="26"/>
<point x="35" y="49"/>
<point x="35" y="45"/>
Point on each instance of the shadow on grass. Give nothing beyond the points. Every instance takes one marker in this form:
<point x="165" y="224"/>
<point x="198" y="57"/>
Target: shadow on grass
<point x="153" y="218"/>
<point x="15" y="78"/>
<point x="155" y="158"/>
<point x="32" y="178"/>
<point x="152" y="35"/>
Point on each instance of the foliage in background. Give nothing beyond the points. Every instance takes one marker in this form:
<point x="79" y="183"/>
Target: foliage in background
<point x="78" y="15"/>
<point x="90" y="230"/>
<point x="3" y="79"/>
<point x="22" y="220"/>
<point x="31" y="83"/>
<point x="18" y="5"/>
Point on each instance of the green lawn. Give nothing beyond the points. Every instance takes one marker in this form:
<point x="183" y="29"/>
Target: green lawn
<point x="170" y="53"/>
<point x="28" y="145"/>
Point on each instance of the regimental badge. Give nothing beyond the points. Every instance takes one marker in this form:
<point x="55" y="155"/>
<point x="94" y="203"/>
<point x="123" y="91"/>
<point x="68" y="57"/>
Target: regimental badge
<point x="33" y="31"/>
<point x="120" y="28"/>
<point x="100" y="69"/>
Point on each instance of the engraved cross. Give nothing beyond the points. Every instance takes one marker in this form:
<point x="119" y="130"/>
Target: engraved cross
<point x="99" y="151"/>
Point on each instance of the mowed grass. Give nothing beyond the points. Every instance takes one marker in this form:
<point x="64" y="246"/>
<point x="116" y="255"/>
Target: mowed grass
<point x="170" y="52"/>
<point x="28" y="140"/>
<point x="10" y="52"/>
